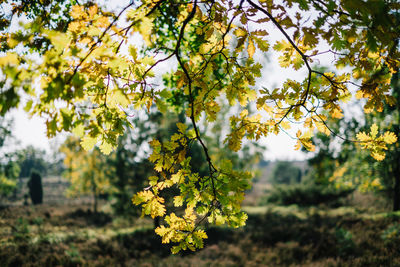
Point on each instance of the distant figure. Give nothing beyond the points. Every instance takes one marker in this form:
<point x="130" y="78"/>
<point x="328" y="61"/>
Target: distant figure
<point x="35" y="188"/>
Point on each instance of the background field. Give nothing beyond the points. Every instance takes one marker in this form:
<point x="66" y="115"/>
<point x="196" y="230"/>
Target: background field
<point x="65" y="232"/>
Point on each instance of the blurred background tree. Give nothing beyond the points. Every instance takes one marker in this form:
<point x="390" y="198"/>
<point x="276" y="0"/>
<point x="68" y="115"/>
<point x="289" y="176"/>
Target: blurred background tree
<point x="9" y="168"/>
<point x="285" y="172"/>
<point x="130" y="161"/>
<point x="87" y="171"/>
<point x="341" y="163"/>
<point x="31" y="158"/>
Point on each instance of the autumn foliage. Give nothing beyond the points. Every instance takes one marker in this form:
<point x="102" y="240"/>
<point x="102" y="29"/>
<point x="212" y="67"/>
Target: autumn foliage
<point x="86" y="75"/>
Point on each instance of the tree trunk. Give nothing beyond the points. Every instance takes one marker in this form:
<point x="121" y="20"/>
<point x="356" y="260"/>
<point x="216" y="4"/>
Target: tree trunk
<point x="396" y="168"/>
<point x="95" y="196"/>
<point x="396" y="190"/>
<point x="95" y="204"/>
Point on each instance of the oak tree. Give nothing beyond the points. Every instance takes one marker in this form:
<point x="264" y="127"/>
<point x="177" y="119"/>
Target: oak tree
<point x="86" y="76"/>
<point x="340" y="163"/>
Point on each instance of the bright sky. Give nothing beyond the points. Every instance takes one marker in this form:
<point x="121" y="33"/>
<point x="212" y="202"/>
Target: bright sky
<point x="29" y="131"/>
<point x="32" y="131"/>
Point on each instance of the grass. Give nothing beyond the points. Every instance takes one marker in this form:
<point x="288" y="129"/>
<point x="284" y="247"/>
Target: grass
<point x="274" y="236"/>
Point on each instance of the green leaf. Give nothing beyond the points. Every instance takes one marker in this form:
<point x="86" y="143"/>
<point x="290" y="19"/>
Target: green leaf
<point x="28" y="106"/>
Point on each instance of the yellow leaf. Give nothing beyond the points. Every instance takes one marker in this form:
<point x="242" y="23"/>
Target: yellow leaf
<point x="117" y="97"/>
<point x="284" y="61"/>
<point x="175" y="249"/>
<point x="77" y="11"/>
<point x="178" y="201"/>
<point x="308" y="145"/>
<point x="161" y="230"/>
<point x="93" y="11"/>
<point x="12" y="42"/>
<point x="285" y="125"/>
<point x="307" y="135"/>
<point x="159" y="166"/>
<point x="176" y="177"/>
<point x="201" y="234"/>
<point x="181" y="155"/>
<point x="181" y="127"/>
<point x="240" y="32"/>
<point x="58" y="39"/>
<point x="322" y="128"/>
<point x="262" y="45"/>
<point x="378" y="155"/>
<point x="143" y="196"/>
<point x="28" y="106"/>
<point x="88" y="142"/>
<point x="337" y="113"/>
<point x="282" y="45"/>
<point x="9" y="59"/>
<point x="153" y="180"/>
<point x="363" y="137"/>
<point x="389" y="138"/>
<point x="106" y="148"/>
<point x="74" y="26"/>
<point x="374" y="131"/>
<point x="251" y="49"/>
<point x="155" y="143"/>
<point x="79" y="130"/>
<point x="297" y="146"/>
<point x="156" y="207"/>
<point x="145" y="28"/>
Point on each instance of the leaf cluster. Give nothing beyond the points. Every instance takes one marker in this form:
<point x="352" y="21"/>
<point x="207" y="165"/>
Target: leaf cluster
<point x="100" y="65"/>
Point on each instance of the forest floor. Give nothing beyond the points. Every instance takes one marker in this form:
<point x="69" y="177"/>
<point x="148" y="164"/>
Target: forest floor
<point x="72" y="235"/>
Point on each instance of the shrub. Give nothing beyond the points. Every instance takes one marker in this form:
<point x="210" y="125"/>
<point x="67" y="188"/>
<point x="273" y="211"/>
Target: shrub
<point x="391" y="235"/>
<point x="35" y="188"/>
<point x="21" y="230"/>
<point x="285" y="172"/>
<point x="306" y="195"/>
<point x="345" y="243"/>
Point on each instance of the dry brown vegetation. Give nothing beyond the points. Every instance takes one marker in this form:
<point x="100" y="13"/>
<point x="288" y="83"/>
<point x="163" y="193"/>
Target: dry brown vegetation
<point x="73" y="236"/>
